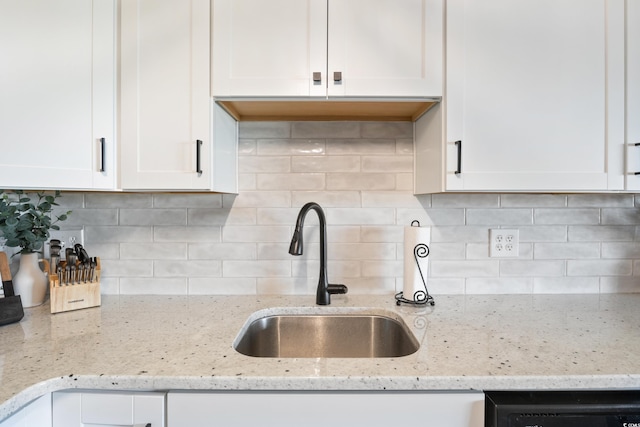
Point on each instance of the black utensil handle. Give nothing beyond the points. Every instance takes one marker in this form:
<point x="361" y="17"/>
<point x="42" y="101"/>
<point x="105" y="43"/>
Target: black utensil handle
<point x="103" y="150"/>
<point x="459" y="168"/>
<point x="198" y="157"/>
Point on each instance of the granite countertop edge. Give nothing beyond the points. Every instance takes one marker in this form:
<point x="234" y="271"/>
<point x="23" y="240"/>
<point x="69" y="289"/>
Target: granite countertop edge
<point x="160" y="343"/>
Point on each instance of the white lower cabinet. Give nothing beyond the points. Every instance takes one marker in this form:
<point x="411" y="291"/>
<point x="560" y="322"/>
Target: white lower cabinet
<point x="37" y="413"/>
<point x="108" y="409"/>
<point x="322" y="408"/>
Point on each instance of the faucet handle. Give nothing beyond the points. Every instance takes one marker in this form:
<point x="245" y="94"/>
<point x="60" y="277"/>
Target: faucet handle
<point x="337" y="289"/>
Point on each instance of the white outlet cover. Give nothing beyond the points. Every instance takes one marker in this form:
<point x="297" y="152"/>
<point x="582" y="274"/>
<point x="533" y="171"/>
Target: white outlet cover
<point x="504" y="242"/>
<point x="67" y="238"/>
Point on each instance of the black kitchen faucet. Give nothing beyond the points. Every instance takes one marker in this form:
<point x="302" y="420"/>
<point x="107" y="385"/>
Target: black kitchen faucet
<point x="325" y="289"/>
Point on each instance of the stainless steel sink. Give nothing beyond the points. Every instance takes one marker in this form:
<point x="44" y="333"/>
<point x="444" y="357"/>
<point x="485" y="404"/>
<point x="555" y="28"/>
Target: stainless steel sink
<point x="326" y="335"/>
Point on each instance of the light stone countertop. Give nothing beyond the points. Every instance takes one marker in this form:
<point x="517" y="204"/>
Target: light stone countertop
<point x="185" y="342"/>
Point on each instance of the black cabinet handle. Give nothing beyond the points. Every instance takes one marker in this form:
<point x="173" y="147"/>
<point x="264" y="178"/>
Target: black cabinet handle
<point x="103" y="145"/>
<point x="459" y="169"/>
<point x="337" y="76"/>
<point x="198" y="159"/>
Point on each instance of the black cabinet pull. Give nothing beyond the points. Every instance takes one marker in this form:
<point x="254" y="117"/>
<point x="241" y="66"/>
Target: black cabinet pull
<point x="103" y="145"/>
<point x="198" y="159"/>
<point x="459" y="169"/>
<point x="337" y="76"/>
<point x="637" y="144"/>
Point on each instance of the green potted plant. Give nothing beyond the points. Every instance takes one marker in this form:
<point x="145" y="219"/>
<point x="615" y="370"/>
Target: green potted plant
<point x="25" y="222"/>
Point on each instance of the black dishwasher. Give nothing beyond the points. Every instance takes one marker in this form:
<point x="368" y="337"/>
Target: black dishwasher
<point x="606" y="408"/>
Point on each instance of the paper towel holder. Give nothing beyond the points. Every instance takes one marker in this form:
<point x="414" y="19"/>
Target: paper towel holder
<point x="419" y="297"/>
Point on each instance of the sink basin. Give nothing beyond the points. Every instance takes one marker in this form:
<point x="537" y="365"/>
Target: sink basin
<point x="326" y="335"/>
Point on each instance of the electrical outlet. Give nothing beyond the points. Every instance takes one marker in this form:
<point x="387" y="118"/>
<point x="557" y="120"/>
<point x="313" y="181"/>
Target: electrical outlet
<point x="68" y="238"/>
<point x="504" y="242"/>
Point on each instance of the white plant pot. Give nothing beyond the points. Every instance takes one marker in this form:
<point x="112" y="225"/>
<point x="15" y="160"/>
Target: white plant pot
<point x="30" y="281"/>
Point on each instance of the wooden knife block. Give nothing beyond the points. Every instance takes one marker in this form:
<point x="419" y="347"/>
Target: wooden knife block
<point x="74" y="297"/>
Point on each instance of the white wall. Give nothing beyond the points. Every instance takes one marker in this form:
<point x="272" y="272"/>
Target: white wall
<point x="361" y="173"/>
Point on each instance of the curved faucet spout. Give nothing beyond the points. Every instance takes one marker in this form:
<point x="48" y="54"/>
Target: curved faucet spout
<point x="324" y="291"/>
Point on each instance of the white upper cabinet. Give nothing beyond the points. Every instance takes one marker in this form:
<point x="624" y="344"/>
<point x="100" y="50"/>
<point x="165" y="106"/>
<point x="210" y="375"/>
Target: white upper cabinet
<point x="327" y="48"/>
<point x="534" y="94"/>
<point x="57" y="94"/>
<point x="165" y="113"/>
<point x="633" y="95"/>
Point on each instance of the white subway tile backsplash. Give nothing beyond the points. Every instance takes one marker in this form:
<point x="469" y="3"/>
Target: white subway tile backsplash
<point x="88" y="217"/>
<point x="499" y="217"/>
<point x="186" y="234"/>
<point x="222" y="251"/>
<point x="499" y="285"/>
<point x="621" y="250"/>
<point x="361" y="173"/>
<point x="601" y="233"/>
<point x="256" y="130"/>
<point x="221" y="286"/>
<point x="224" y="216"/>
<point x="187" y="268"/>
<point x="533" y="201"/>
<point x="404" y="181"/>
<point x="125" y="268"/>
<point x="361" y="146"/>
<point x="532" y="268"/>
<point x="382" y="234"/>
<point x="187" y="201"/>
<point x="464" y="268"/>
<point x="291" y="147"/>
<point x="290" y="181"/>
<point x="566" y="285"/>
<point x="570" y="216"/>
<point x="326" y="199"/>
<point x="155" y="286"/>
<point x="360" y="216"/>
<point x="361" y="181"/>
<point x="117" y="200"/>
<point x="566" y="250"/>
<point x="394" y="199"/>
<point x="153" y="251"/>
<point x="325" y="164"/>
<point x="613" y="216"/>
<point x="264" y="164"/>
<point x="257" y="199"/>
<point x="247" y="181"/>
<point x="153" y="216"/>
<point x="258" y="233"/>
<point x="387" y="163"/>
<point x="117" y="234"/>
<point x="612" y="285"/>
<point x="395" y="130"/>
<point x="600" y="200"/>
<point x="465" y="200"/>
<point x="599" y="267"/>
<point x="325" y="130"/>
<point x="258" y="268"/>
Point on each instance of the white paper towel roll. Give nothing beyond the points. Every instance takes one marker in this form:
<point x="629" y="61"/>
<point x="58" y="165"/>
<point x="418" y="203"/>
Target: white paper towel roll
<point x="413" y="288"/>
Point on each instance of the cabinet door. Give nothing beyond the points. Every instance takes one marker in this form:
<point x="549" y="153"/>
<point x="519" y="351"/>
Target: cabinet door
<point x="36" y="413"/>
<point x="385" y="48"/>
<point x="165" y="106"/>
<point x="527" y="94"/>
<point x="340" y="409"/>
<point x="57" y="83"/>
<point x="633" y="95"/>
<point x="269" y="48"/>
<point x="107" y="409"/>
